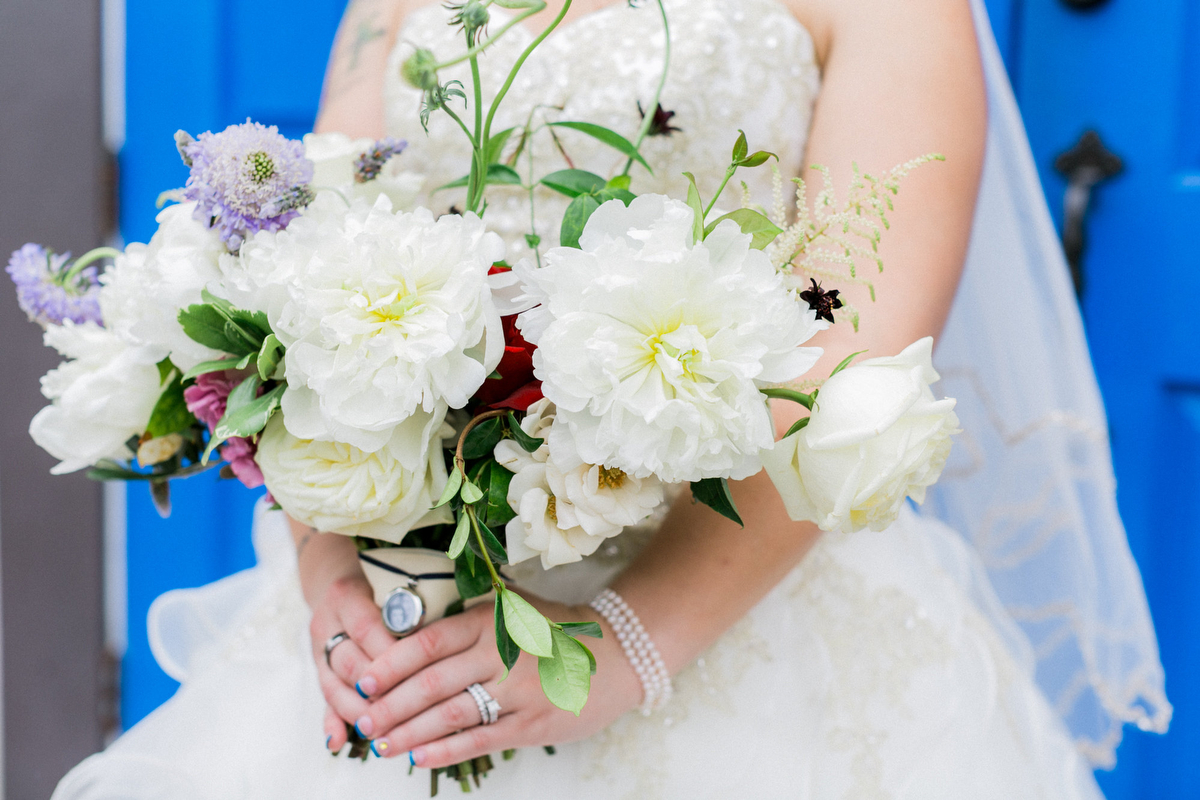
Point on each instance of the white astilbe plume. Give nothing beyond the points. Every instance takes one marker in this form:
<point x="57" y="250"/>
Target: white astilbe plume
<point x="833" y="242"/>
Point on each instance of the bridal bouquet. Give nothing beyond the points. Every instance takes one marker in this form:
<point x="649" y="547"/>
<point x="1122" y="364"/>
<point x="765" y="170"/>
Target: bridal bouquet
<point x="389" y="375"/>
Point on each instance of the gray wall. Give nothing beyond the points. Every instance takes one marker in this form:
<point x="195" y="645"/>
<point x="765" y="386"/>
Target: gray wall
<point x="53" y="190"/>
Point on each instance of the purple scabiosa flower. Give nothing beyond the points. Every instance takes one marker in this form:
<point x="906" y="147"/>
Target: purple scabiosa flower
<point x="368" y="166"/>
<point x="49" y="291"/>
<point x="238" y="177"/>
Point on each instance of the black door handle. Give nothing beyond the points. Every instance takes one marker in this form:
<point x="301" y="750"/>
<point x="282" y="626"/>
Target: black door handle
<point x="1084" y="166"/>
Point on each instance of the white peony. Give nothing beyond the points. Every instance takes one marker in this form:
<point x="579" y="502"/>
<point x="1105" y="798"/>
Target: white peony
<point x="337" y="487"/>
<point x="566" y="507"/>
<point x="382" y="313"/>
<point x="653" y="347"/>
<point x="877" y="436"/>
<point x="148" y="285"/>
<point x="101" y="397"/>
<point x="333" y="156"/>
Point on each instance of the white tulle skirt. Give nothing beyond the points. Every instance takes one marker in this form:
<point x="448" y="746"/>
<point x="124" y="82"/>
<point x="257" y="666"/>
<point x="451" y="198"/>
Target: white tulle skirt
<point x="875" y="670"/>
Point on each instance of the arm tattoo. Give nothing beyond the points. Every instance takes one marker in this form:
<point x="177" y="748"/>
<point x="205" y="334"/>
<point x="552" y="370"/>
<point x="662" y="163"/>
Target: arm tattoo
<point x="304" y="542"/>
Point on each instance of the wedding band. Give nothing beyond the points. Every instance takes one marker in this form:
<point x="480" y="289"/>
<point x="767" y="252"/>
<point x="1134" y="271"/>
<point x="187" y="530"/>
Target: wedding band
<point x="489" y="709"/>
<point x="333" y="642"/>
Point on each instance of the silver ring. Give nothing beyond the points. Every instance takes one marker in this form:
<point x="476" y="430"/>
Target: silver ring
<point x="333" y="642"/>
<point x="489" y="709"/>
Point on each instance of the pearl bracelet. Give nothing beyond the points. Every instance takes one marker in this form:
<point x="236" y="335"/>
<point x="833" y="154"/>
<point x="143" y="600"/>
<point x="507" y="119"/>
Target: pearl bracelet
<point x="641" y="652"/>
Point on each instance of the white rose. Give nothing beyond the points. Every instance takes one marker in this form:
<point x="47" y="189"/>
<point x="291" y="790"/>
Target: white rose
<point x="382" y="313"/>
<point x="148" y="285"/>
<point x="654" y="348"/>
<point x="333" y="156"/>
<point x="101" y="398"/>
<point x="566" y="507"/>
<point x="337" y="487"/>
<point x="877" y="436"/>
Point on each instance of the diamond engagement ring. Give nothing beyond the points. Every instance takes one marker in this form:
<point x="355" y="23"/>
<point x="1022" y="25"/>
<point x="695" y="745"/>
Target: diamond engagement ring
<point x="333" y="642"/>
<point x="489" y="709"/>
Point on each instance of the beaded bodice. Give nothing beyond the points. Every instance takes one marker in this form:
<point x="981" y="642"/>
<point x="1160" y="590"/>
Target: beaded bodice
<point x="745" y="64"/>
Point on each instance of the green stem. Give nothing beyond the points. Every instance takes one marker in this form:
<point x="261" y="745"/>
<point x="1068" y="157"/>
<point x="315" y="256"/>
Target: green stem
<point x="459" y="462"/>
<point x="461" y="124"/>
<point x="728" y="174"/>
<point x="779" y="393"/>
<point x="479" y="48"/>
<point x="90" y="257"/>
<point x="512" y="75"/>
<point x="479" y="167"/>
<point x="487" y="559"/>
<point x="648" y="114"/>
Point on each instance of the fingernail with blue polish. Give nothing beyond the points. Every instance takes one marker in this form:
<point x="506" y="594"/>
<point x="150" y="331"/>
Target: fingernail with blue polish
<point x="364" y="727"/>
<point x="328" y="739"/>
<point x="412" y="762"/>
<point x="361" y="693"/>
<point x="366" y="687"/>
<point x="379" y="747"/>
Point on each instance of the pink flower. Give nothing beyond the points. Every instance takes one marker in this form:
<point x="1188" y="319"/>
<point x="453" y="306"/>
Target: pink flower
<point x="206" y="400"/>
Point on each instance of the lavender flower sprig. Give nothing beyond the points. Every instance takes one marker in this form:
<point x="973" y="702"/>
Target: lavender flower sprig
<point x="51" y="289"/>
<point x="240" y="176"/>
<point x="368" y="166"/>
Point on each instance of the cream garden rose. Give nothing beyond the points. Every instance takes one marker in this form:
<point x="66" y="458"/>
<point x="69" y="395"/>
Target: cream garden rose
<point x="877" y="436"/>
<point x="566" y="507"/>
<point x="653" y="347"/>
<point x="337" y="487"/>
<point x="101" y="397"/>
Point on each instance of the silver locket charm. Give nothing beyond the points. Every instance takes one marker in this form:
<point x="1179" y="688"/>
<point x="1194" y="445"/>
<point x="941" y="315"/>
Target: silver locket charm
<point x="402" y="610"/>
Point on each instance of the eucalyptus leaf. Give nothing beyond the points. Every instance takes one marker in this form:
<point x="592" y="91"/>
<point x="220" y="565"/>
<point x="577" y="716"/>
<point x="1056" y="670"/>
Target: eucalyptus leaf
<point x="269" y="356"/>
<point x="483" y="438"/>
<point x="752" y="222"/>
<point x="508" y="649"/>
<point x="461" y="531"/>
<point x="573" y="182"/>
<point x="566" y="675"/>
<point x="697" y="205"/>
<point x="526" y="625"/>
<point x="714" y="493"/>
<point x="453" y="484"/>
<point x="575" y="218"/>
<point x="209" y="366"/>
<point x="528" y="443"/>
<point x="496" y="174"/>
<point x="583" y="629"/>
<point x="608" y="137"/>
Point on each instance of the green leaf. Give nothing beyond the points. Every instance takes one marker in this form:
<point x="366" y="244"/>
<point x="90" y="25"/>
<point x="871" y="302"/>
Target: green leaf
<point x="608" y="137"/>
<point x="566" y="675"/>
<point x="697" y="206"/>
<point x="470" y="492"/>
<point x="268" y="356"/>
<point x="496" y="173"/>
<point x="528" y="443"/>
<point x="509" y="651"/>
<point x="591" y="657"/>
<point x="526" y="625"/>
<point x="470" y="582"/>
<point x="583" y="629"/>
<point x="243" y="394"/>
<point x="461" y="531"/>
<point x="170" y="414"/>
<point x="495" y="550"/>
<point x="845" y="362"/>
<point x="209" y="366"/>
<point x="756" y="159"/>
<point x="165" y="368"/>
<point x="575" y="218"/>
<point x="483" y="438"/>
<point x="752" y="222"/>
<point x="619" y="182"/>
<point x="624" y="195"/>
<point x="498" y="510"/>
<point x="798" y="426"/>
<point x="740" y="148"/>
<point x="495" y="146"/>
<point x="573" y="182"/>
<point x="453" y="483"/>
<point x="714" y="493"/>
<point x="245" y="420"/>
<point x="533" y="240"/>
<point x="204" y="324"/>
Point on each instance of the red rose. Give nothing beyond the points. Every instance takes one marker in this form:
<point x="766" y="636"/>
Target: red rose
<point x="516" y="388"/>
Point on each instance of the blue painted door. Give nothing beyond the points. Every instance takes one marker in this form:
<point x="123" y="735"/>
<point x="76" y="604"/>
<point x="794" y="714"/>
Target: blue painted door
<point x="1131" y="71"/>
<point x="200" y="66"/>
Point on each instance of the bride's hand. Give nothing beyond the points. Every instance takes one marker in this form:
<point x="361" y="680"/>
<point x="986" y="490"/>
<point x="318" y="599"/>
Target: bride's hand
<point x="419" y="701"/>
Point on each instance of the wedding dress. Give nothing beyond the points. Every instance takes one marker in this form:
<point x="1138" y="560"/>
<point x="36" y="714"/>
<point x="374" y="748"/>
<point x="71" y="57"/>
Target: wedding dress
<point x="998" y="659"/>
